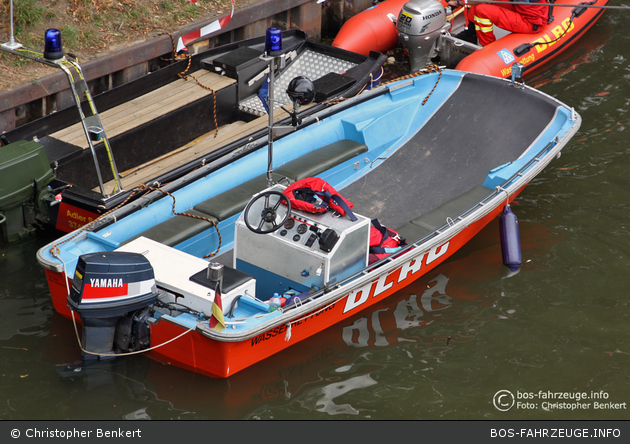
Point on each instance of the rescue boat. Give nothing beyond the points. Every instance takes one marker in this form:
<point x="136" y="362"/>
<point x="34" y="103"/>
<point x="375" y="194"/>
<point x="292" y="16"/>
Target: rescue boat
<point x="222" y="268"/>
<point x="534" y="50"/>
<point x="426" y="29"/>
<point x="449" y="296"/>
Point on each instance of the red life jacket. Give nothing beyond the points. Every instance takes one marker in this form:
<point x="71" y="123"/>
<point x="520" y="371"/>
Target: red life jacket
<point x="315" y="195"/>
<point x="383" y="242"/>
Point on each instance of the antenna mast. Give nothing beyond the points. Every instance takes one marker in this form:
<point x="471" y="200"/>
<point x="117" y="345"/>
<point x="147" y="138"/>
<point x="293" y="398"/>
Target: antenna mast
<point x="11" y="44"/>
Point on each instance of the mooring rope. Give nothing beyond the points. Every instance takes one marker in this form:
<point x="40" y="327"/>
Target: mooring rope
<point x="90" y="224"/>
<point x="186" y="76"/>
<point x="194" y="216"/>
<point x="136" y="352"/>
<point x="428" y="70"/>
<point x="54" y="249"/>
<point x="76" y="330"/>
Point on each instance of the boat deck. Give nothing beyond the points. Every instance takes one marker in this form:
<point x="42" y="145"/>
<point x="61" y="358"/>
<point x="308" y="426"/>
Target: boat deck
<point x="148" y="107"/>
<point x="157" y="103"/>
<point x="197" y="148"/>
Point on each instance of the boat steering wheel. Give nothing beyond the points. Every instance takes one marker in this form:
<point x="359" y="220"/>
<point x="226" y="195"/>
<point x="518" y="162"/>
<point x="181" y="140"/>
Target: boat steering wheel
<point x="269" y="213"/>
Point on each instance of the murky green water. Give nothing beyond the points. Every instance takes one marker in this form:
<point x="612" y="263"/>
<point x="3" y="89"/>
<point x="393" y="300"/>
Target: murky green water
<point x="442" y="348"/>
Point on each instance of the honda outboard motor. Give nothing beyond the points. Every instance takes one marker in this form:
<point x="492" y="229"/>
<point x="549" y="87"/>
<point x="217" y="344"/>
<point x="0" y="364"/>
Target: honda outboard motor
<point x="111" y="292"/>
<point x="419" y="25"/>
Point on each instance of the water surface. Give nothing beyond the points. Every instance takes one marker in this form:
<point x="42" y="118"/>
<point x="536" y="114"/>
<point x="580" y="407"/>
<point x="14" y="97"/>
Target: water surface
<point x="440" y="349"/>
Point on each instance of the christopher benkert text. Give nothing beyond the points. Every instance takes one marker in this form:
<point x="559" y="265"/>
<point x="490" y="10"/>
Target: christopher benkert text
<point x="74" y="433"/>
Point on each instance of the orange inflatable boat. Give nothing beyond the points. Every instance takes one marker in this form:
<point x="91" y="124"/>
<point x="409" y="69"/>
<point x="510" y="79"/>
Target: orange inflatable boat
<point x="373" y="29"/>
<point x="534" y="50"/>
<point x="426" y="30"/>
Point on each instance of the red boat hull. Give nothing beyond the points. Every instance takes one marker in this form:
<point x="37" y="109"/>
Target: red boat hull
<point x="223" y="359"/>
<point x="220" y="359"/>
<point x="284" y="375"/>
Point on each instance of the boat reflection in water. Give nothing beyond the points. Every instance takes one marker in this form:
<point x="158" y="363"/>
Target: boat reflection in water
<point x="413" y="329"/>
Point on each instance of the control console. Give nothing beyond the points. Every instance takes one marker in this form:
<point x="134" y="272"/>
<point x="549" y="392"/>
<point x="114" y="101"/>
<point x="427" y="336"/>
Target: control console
<point x="308" y="249"/>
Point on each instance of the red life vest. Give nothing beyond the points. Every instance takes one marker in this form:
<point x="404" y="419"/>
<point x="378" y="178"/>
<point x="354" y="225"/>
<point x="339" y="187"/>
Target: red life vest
<point x="315" y="195"/>
<point x="383" y="242"/>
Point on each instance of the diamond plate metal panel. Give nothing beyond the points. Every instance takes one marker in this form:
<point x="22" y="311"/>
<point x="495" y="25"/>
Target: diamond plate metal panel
<point x="309" y="64"/>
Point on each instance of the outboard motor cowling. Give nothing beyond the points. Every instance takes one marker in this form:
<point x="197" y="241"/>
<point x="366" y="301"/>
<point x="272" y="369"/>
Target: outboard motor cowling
<point x="419" y="25"/>
<point x="106" y="287"/>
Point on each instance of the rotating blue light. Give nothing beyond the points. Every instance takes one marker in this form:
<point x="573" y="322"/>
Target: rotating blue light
<point x="273" y="40"/>
<point x="52" y="45"/>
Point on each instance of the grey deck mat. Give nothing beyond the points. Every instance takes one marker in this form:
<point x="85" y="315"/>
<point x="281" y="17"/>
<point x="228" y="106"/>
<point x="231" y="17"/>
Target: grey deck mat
<point x="476" y="129"/>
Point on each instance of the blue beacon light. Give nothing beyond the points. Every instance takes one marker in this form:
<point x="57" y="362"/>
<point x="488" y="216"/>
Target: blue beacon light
<point x="52" y="45"/>
<point x="273" y="41"/>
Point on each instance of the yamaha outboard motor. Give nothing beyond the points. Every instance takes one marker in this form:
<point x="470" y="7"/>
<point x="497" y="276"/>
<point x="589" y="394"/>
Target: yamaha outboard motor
<point x="419" y="25"/>
<point x="111" y="292"/>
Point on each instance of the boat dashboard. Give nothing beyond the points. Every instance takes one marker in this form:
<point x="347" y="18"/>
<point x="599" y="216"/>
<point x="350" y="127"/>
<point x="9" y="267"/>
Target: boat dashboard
<point x="297" y="250"/>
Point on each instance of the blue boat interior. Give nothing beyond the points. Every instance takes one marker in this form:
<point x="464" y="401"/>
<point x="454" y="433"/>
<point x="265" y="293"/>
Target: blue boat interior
<point x="441" y="153"/>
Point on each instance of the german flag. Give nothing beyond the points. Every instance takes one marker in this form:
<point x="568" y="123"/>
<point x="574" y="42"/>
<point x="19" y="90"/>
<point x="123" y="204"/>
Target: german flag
<point x="216" y="321"/>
